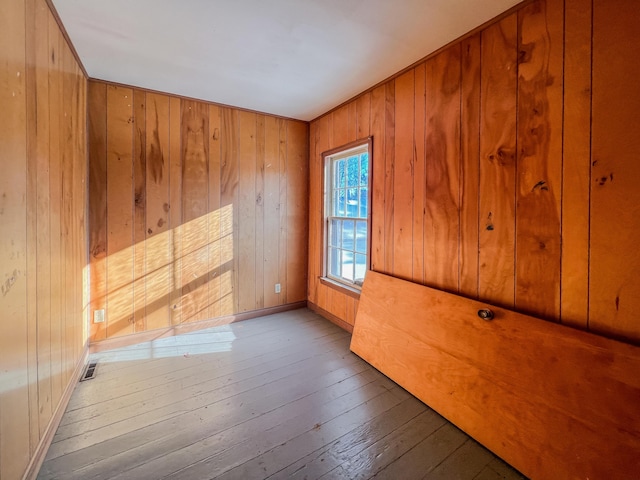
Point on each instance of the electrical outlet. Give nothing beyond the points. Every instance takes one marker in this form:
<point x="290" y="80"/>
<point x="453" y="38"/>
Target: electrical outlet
<point x="98" y="316"/>
<point x="277" y="288"/>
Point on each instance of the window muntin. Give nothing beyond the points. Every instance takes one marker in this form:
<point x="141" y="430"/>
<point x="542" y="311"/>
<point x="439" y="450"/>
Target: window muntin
<point x="347" y="215"/>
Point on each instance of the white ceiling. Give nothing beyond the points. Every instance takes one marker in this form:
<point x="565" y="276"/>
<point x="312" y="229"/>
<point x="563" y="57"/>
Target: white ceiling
<point x="295" y="58"/>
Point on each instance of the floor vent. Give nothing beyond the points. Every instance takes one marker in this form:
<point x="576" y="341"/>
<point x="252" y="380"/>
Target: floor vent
<point x="90" y="372"/>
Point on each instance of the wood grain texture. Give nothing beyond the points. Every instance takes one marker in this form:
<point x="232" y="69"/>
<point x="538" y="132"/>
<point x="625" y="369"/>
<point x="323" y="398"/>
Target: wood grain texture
<point x="539" y="159"/>
<point x="43" y="236"/>
<point x="615" y="172"/>
<point x="442" y="223"/>
<point x="223" y="195"/>
<point x="470" y="165"/>
<point x="463" y="367"/>
<point x="403" y="174"/>
<point x="576" y="163"/>
<point x="498" y="162"/>
<point x="418" y="172"/>
<point x="378" y="212"/>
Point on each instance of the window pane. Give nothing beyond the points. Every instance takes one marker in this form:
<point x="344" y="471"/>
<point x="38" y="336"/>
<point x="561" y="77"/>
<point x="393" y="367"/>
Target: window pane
<point x="364" y="199"/>
<point x="348" y="227"/>
<point x="352" y="202"/>
<point x="339" y="203"/>
<point x="340" y="181"/>
<point x="334" y="262"/>
<point x="347" y="265"/>
<point x="364" y="169"/>
<point x="361" y="237"/>
<point x="352" y="172"/>
<point x="361" y="267"/>
<point x="335" y="233"/>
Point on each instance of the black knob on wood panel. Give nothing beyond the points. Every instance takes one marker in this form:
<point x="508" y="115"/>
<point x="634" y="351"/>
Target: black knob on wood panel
<point x="485" y="314"/>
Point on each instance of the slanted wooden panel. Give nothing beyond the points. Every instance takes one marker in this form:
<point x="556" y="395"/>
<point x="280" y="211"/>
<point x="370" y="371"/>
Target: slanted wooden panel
<point x="516" y="384"/>
<point x="615" y="175"/>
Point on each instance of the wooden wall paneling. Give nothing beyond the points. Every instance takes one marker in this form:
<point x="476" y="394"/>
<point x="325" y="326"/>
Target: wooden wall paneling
<point x="470" y="159"/>
<point x="297" y="210"/>
<point x="403" y="177"/>
<point x="139" y="211"/>
<point x="215" y="268"/>
<point x="498" y="162"/>
<point x="284" y="184"/>
<point x="195" y="200"/>
<point x="539" y="158"/>
<point x="389" y="172"/>
<point x="247" y="211"/>
<point x="229" y="178"/>
<point x="175" y="209"/>
<point x="442" y="222"/>
<point x="271" y="199"/>
<point x="316" y="210"/>
<point x="315" y="231"/>
<point x="418" y="172"/>
<point x="615" y="173"/>
<point x="363" y="115"/>
<point x="378" y="184"/>
<point x="55" y="193"/>
<point x="576" y="163"/>
<point x="97" y="104"/>
<point x="31" y="201"/>
<point x="43" y="233"/>
<point x="352" y="123"/>
<point x="156" y="200"/>
<point x="119" y="314"/>
<point x="14" y="397"/>
<point x="259" y="227"/>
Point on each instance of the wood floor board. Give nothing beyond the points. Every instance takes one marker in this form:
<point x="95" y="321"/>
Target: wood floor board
<point x="283" y="398"/>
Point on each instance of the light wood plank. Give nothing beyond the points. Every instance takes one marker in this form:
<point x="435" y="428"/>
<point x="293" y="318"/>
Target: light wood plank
<point x="271" y="201"/>
<point x="378" y="181"/>
<point x="215" y="213"/>
<point x="139" y="211"/>
<point x="419" y="168"/>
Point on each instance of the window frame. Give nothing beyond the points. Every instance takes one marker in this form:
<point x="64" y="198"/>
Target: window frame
<point x="349" y="288"/>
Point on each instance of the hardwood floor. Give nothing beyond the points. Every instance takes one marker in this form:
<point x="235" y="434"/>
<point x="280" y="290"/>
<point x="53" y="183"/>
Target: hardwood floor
<point x="275" y="397"/>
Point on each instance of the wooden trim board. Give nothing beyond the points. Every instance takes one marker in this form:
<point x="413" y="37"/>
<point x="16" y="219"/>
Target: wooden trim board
<point x="151" y="335"/>
<point x="552" y="401"/>
<point x="330" y="316"/>
<point x="31" y="473"/>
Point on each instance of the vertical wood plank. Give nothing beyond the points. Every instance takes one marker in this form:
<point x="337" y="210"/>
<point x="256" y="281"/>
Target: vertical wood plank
<point x="119" y="314"/>
<point x="157" y="234"/>
<point x="403" y="176"/>
<point x="271" y="201"/>
<point x="284" y="233"/>
<point x="378" y="179"/>
<point x="175" y="209"/>
<point x="352" y="123"/>
<point x="14" y="398"/>
<point x="316" y="215"/>
<point x="215" y="268"/>
<point x="576" y="161"/>
<point x="389" y="172"/>
<point x="419" y="168"/>
<point x="470" y="153"/>
<point x="195" y="199"/>
<point x="97" y="105"/>
<point x="340" y="127"/>
<point x="442" y="229"/>
<point x="260" y="202"/>
<point x="43" y="259"/>
<point x="139" y="210"/>
<point x="55" y="140"/>
<point x="363" y="115"/>
<point x="247" y="211"/>
<point x="615" y="173"/>
<point x="229" y="210"/>
<point x="297" y="210"/>
<point x="498" y="163"/>
<point x="539" y="158"/>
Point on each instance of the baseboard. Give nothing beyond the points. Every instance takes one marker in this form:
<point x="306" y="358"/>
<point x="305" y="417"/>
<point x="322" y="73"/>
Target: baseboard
<point x="142" y="337"/>
<point x="39" y="455"/>
<point x="330" y="316"/>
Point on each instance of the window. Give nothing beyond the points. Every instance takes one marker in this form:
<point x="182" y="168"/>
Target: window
<point x="347" y="213"/>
